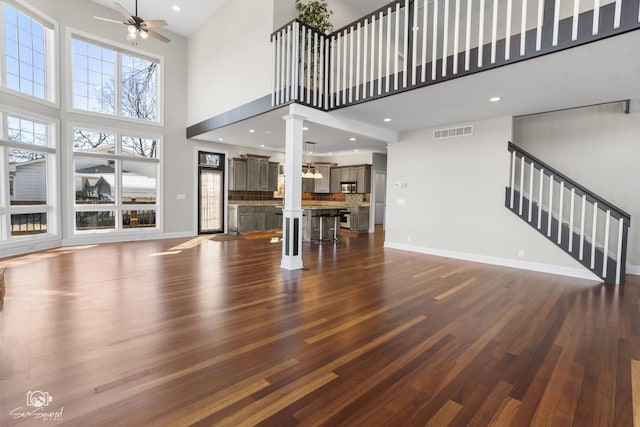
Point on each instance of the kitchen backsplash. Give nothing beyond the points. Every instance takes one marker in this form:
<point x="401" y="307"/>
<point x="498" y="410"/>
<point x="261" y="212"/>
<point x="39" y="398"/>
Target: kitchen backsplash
<point x="350" y="199"/>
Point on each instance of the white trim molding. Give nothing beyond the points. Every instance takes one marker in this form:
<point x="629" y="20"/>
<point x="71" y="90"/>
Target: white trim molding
<point x="578" y="273"/>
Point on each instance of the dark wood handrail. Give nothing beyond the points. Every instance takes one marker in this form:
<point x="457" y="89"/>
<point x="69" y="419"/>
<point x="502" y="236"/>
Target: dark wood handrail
<point x="559" y="176"/>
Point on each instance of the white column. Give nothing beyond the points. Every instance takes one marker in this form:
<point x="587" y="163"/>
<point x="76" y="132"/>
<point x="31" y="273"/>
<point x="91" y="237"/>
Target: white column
<point x="292" y="212"/>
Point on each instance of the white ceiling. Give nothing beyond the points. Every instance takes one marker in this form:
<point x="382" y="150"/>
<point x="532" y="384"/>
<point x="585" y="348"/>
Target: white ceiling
<point x="193" y="13"/>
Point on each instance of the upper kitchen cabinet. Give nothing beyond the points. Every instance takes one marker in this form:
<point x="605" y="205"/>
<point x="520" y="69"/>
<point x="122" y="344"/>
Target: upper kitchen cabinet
<point x="334" y="183"/>
<point x="322" y="185"/>
<point x="363" y="178"/>
<point x="361" y="175"/>
<point x="238" y="174"/>
<point x="257" y="173"/>
<point x="273" y="176"/>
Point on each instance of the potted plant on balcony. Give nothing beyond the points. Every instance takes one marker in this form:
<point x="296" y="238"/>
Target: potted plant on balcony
<point x="316" y="14"/>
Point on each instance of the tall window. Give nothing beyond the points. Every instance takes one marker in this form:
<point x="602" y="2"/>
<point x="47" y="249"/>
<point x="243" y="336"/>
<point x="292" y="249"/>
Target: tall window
<point x="110" y="81"/>
<point x="28" y="41"/>
<point x="115" y="181"/>
<point x="28" y="209"/>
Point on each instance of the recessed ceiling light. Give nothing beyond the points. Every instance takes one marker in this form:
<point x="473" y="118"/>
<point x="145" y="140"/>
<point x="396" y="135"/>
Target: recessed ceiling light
<point x="220" y="139"/>
<point x="176" y="8"/>
<point x="305" y="128"/>
<point x="329" y="152"/>
<point x="252" y="130"/>
<point x="310" y="152"/>
<point x="352" y="139"/>
<point x="388" y="119"/>
<point x="262" y="145"/>
<point x="356" y="150"/>
<point x="495" y="99"/>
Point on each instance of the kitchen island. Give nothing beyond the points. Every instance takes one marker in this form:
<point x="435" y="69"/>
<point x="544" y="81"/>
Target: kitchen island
<point x="321" y="222"/>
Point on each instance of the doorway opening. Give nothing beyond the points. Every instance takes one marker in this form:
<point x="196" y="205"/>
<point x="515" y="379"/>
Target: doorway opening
<point x="211" y="203"/>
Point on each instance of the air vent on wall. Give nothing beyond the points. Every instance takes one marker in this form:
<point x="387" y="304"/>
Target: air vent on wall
<point x="453" y="132"/>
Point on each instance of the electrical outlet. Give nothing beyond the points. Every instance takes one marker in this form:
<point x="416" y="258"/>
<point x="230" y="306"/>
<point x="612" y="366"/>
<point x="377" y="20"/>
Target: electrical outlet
<point x="521" y="253"/>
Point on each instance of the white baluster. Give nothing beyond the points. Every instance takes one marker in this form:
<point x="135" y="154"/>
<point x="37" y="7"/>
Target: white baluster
<point x="396" y="39"/>
<point x="338" y="68"/>
<point x="619" y="251"/>
<point x="593" y="235"/>
<point x="556" y="19"/>
<point x="325" y="67"/>
<point x="574" y="24"/>
<point x="315" y="70"/>
<point x="309" y="64"/>
<point x="605" y="259"/>
<point x="521" y="185"/>
<point x="560" y="212"/>
<point x="358" y="63"/>
<point x="414" y="53"/>
<point x="372" y="74"/>
<point x="381" y="21"/>
<point x="296" y="60"/>
<point x="434" y="55"/>
<point x="332" y="79"/>
<point x="425" y="18"/>
<point x="507" y="44"/>
<point x="572" y="213"/>
<point x="406" y="43"/>
<point x="481" y="33"/>
<point x="467" y="52"/>
<point x="531" y="169"/>
<point x="540" y="199"/>
<point x="494" y="31"/>
<point x="539" y="26"/>
<point x="582" y="233"/>
<point x="513" y="177"/>
<point x="283" y="56"/>
<point x="387" y="78"/>
<point x="289" y="62"/>
<point x="596" y="17"/>
<point x="365" y="64"/>
<point x="445" y="38"/>
<point x="320" y="71"/>
<point x="345" y="68"/>
<point x="351" y="55"/>
<point x="550" y="206"/>
<point x="274" y="70"/>
<point x="523" y="28"/>
<point x="456" y="37"/>
<point x="616" y="16"/>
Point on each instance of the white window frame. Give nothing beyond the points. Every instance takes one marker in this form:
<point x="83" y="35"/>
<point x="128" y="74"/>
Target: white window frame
<point x="119" y="50"/>
<point x="52" y="156"/>
<point x="52" y="68"/>
<point x="117" y="206"/>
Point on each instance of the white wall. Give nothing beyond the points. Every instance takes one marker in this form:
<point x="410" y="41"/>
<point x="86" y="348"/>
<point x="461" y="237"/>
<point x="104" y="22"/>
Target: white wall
<point x="446" y="198"/>
<point x="595" y="146"/>
<point x="229" y="59"/>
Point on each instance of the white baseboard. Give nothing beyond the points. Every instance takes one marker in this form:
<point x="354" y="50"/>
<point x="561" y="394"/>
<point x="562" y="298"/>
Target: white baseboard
<point x="27" y="246"/>
<point x="633" y="269"/>
<point x="578" y="273"/>
<point x="120" y="238"/>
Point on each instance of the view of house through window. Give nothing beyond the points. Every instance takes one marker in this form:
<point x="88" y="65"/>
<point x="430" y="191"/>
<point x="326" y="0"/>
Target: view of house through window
<point x="115" y="180"/>
<point x="30" y="153"/>
<point x="109" y="81"/>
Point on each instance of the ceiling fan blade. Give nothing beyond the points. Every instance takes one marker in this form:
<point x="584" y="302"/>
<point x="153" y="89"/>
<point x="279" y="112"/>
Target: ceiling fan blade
<point x="153" y="24"/>
<point x="115" y="21"/>
<point x="124" y="12"/>
<point x="157" y="36"/>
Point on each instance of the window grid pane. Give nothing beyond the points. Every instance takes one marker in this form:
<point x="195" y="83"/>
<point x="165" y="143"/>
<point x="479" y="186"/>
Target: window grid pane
<point x="28" y="174"/>
<point x="94" y="141"/>
<point x="139" y="147"/>
<point x="26" y="131"/>
<point x="139" y="88"/>
<point x="25" y="51"/>
<point x="93" y="78"/>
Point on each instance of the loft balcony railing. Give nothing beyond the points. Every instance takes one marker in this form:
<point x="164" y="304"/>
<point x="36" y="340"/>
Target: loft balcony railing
<point x="414" y="43"/>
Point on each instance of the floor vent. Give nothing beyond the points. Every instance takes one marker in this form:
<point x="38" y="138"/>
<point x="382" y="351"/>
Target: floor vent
<point x="453" y="132"/>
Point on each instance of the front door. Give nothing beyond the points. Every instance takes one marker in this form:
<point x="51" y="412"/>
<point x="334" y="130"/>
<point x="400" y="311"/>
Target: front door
<point x="210" y="193"/>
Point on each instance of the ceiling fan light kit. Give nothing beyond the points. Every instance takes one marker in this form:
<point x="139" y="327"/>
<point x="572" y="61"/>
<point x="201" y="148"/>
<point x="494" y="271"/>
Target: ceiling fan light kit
<point x="136" y="26"/>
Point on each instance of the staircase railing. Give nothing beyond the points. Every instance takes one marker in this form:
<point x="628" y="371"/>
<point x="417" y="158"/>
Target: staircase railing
<point x="409" y="44"/>
<point x="589" y="228"/>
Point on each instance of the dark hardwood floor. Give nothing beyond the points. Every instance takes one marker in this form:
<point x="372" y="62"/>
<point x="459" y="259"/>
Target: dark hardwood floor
<point x="203" y="332"/>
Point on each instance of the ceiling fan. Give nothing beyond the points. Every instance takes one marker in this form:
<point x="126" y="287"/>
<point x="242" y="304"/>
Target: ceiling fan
<point x="136" y="25"/>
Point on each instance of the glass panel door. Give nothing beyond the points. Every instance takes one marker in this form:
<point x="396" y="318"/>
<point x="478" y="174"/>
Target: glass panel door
<point x="210" y="193"/>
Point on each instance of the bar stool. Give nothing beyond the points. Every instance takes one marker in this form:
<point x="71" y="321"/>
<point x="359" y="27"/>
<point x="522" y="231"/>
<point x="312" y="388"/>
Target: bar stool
<point x="322" y="218"/>
<point x="319" y="229"/>
<point x="336" y="224"/>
